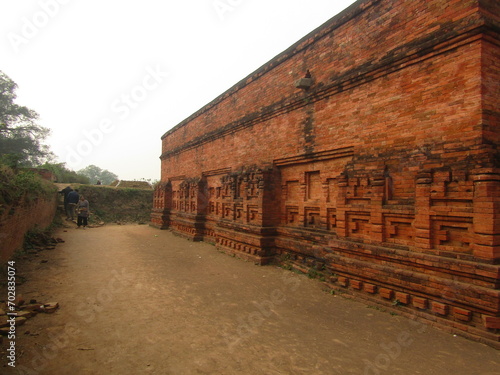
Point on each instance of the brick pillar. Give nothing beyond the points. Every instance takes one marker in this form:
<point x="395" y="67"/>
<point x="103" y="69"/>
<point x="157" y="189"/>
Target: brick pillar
<point x="487" y="214"/>
<point x="202" y="197"/>
<point x="198" y="201"/>
<point x="162" y="204"/>
<point x="252" y="199"/>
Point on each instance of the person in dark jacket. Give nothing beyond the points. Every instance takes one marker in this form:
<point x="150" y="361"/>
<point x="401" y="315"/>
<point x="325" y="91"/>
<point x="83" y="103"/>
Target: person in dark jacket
<point x="65" y="193"/>
<point x="73" y="198"/>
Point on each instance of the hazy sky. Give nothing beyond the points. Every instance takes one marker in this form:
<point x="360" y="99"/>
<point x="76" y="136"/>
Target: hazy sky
<point x="110" y="77"/>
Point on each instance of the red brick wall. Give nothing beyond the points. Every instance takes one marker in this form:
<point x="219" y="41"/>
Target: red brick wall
<point x="17" y="220"/>
<point x="384" y="173"/>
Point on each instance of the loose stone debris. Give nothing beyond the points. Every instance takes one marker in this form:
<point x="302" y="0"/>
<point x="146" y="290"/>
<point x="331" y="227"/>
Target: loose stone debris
<point x="23" y="312"/>
<point x="39" y="242"/>
<point x="20" y="310"/>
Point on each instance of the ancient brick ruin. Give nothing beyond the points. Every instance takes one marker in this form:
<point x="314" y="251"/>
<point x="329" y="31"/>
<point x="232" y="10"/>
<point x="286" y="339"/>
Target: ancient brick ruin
<point x="368" y="151"/>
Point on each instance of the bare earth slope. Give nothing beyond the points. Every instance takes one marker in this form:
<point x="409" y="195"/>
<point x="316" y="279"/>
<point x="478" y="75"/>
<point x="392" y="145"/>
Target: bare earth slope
<point x="137" y="300"/>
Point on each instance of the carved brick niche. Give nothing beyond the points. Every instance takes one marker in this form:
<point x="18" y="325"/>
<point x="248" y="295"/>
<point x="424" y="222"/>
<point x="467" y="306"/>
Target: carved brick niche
<point x="398" y="227"/>
<point x="241" y="215"/>
<point x="162" y="204"/>
<point x="486" y="244"/>
<point x="309" y="198"/>
<point x="189" y="206"/>
<point x="446" y="216"/>
<point x="456" y="213"/>
<point x="215" y="205"/>
<point x="367" y="210"/>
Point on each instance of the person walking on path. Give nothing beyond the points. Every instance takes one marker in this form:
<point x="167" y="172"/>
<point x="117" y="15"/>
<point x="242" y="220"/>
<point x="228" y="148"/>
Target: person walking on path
<point x="83" y="212"/>
<point x="73" y="199"/>
<point x="65" y="193"/>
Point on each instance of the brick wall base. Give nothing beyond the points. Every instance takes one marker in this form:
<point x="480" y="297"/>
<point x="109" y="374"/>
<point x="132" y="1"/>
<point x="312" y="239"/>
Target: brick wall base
<point x="447" y="283"/>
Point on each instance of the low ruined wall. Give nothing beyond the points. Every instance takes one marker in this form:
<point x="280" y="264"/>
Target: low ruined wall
<point x="19" y="218"/>
<point x="118" y="204"/>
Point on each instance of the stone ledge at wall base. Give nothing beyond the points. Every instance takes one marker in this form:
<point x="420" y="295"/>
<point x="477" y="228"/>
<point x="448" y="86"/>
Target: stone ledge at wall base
<point x="251" y="243"/>
<point x="245" y="252"/>
<point x="250" y="247"/>
<point x="458" y="307"/>
<point x="188" y="226"/>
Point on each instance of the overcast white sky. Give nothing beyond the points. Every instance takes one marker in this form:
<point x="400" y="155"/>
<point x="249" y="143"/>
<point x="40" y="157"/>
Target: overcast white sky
<point x="110" y="77"/>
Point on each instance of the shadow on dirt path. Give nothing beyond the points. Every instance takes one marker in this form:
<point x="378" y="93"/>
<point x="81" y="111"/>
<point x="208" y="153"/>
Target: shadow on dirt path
<point x="137" y="300"/>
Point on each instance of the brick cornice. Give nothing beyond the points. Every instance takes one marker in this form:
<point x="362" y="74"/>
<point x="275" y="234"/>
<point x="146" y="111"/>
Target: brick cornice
<point x="310" y="39"/>
<point x="400" y="58"/>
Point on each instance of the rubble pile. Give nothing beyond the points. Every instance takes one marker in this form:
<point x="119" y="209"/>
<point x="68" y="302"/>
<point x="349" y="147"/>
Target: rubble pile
<point x="39" y="242"/>
<point x="22" y="312"/>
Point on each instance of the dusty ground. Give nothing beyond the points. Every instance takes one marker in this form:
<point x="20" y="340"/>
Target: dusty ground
<point x="137" y="300"/>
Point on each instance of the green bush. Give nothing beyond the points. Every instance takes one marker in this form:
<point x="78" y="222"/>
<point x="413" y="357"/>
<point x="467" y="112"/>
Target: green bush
<point x="64" y="174"/>
<point x="19" y="185"/>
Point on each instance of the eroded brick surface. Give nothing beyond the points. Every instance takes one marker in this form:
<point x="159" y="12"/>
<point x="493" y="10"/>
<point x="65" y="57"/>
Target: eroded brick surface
<point x="17" y="220"/>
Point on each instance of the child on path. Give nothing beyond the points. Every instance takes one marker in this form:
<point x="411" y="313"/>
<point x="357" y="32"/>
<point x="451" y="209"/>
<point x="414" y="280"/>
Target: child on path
<point x="83" y="212"/>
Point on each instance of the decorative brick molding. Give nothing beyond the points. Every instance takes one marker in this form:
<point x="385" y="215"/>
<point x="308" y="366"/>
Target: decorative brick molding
<point x="386" y="293"/>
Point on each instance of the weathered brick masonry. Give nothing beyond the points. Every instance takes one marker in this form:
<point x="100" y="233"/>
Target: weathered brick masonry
<point x="18" y="219"/>
<point x="384" y="175"/>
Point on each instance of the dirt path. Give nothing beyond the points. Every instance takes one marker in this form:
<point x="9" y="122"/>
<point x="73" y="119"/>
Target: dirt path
<point x="137" y="300"/>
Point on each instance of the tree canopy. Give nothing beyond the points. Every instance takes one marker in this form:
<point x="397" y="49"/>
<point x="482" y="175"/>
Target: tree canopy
<point x="94" y="173"/>
<point x="63" y="174"/>
<point x="21" y="140"/>
<point x="20" y="135"/>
